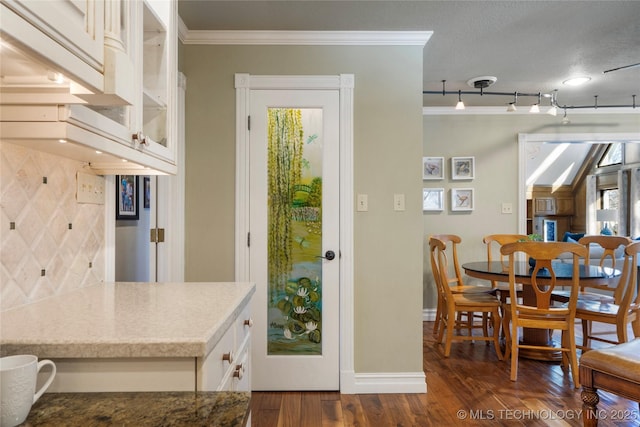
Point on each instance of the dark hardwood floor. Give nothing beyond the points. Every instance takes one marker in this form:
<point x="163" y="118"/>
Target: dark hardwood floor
<point x="470" y="388"/>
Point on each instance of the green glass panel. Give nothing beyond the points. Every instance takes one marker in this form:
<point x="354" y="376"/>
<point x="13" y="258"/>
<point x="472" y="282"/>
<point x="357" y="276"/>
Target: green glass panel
<point x="295" y="231"/>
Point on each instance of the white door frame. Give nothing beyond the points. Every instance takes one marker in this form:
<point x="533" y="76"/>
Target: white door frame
<point x="344" y="83"/>
<point x="525" y="138"/>
<point x="171" y="213"/>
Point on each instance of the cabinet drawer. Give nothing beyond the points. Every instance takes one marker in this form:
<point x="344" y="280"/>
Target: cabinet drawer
<point x="212" y="370"/>
<point x="244" y="323"/>
<point x="241" y="376"/>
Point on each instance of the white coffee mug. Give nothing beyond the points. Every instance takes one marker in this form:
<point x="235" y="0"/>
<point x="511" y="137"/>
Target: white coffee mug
<point x="18" y="377"/>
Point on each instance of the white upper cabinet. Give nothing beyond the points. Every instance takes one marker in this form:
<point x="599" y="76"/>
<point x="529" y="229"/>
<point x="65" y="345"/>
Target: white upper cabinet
<point x="64" y="34"/>
<point x="110" y="70"/>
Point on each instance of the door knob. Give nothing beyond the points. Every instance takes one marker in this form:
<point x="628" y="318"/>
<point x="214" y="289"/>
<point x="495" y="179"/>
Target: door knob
<point x="329" y="255"/>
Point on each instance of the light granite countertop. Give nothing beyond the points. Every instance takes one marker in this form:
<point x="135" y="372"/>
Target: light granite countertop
<point x="131" y="319"/>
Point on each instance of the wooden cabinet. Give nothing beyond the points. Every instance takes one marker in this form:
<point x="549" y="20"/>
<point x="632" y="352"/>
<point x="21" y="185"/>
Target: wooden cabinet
<point x="564" y="206"/>
<point x="118" y="96"/>
<point x="544" y="206"/>
<point x="553" y="206"/>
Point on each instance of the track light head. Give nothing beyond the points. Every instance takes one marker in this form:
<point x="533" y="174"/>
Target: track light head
<point x="460" y="104"/>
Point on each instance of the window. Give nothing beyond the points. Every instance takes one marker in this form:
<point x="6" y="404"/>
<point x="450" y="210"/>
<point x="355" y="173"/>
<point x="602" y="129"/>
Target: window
<point x="609" y="198"/>
<point x="612" y="156"/>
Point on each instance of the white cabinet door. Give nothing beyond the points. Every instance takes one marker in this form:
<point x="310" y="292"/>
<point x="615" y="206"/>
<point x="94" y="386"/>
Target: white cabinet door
<point x="151" y="118"/>
<point x="76" y="24"/>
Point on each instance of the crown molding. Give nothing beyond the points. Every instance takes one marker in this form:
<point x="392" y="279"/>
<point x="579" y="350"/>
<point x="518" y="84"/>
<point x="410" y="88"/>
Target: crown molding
<point x="319" y="38"/>
<point x="478" y="111"/>
<point x="183" y="31"/>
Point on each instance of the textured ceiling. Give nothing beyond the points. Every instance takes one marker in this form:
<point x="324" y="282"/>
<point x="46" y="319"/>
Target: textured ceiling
<point x="530" y="46"/>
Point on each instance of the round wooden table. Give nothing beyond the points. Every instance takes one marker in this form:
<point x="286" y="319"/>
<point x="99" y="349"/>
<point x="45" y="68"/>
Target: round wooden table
<point x="498" y="271"/>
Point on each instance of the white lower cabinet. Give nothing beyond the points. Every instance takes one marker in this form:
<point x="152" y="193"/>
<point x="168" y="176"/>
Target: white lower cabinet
<point x="227" y="367"/>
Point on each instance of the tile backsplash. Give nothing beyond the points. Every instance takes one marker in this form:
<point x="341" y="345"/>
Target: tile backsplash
<point x="49" y="243"/>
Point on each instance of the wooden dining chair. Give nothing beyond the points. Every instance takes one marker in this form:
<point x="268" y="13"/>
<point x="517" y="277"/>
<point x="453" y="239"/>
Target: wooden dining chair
<point x="455" y="303"/>
<point x="539" y="313"/>
<point x="619" y="312"/>
<point x="610" y="246"/>
<point x="493" y="243"/>
<point x="455" y="281"/>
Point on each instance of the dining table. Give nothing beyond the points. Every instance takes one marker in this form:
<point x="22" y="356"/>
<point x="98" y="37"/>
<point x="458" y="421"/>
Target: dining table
<point x="590" y="275"/>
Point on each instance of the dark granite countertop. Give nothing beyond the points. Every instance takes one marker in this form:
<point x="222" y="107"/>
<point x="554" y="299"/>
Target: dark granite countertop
<point x="220" y="409"/>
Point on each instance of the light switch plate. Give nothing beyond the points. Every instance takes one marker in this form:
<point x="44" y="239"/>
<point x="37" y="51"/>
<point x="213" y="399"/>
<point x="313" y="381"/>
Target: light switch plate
<point x="362" y="203"/>
<point x="398" y="202"/>
<point x="507" y="208"/>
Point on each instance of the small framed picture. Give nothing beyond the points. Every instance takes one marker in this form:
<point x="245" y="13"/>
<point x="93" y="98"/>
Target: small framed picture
<point x="433" y="199"/>
<point x="549" y="227"/>
<point x="146" y="187"/>
<point x="463" y="168"/>
<point x="127" y="197"/>
<point x="433" y="168"/>
<point x="462" y="199"/>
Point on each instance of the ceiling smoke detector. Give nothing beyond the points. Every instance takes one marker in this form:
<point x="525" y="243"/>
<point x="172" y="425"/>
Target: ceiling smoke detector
<point x="482" y="82"/>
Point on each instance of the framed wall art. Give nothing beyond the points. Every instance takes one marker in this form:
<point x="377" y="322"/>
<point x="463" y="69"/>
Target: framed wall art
<point x="146" y="195"/>
<point x="127" y="197"/>
<point x="433" y="199"/>
<point x="463" y="168"/>
<point x="549" y="227"/>
<point x="462" y="199"/>
<point x="433" y="168"/>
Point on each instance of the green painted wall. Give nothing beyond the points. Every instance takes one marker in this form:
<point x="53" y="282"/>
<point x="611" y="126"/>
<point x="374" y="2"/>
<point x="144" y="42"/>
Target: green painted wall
<point x="388" y="253"/>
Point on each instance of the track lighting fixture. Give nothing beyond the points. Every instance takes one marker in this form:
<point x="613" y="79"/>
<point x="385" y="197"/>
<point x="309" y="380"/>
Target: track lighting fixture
<point x="512" y="105"/>
<point x="460" y="104"/>
<point x="482" y="82"/>
<point x="565" y="119"/>
<point x="553" y="110"/>
<point x="535" y="108"/>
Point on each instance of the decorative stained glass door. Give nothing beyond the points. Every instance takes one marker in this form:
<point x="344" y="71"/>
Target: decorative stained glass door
<point x="294" y="239"/>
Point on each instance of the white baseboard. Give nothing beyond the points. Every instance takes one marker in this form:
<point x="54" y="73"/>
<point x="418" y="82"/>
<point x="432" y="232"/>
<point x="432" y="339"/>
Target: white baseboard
<point x="428" y="314"/>
<point x="380" y="382"/>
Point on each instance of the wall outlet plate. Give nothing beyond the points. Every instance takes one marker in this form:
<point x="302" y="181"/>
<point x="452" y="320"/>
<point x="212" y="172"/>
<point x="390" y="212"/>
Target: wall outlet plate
<point x="90" y="188"/>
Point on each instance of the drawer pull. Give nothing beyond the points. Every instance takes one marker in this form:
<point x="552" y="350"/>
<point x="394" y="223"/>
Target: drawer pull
<point x="248" y="322"/>
<point x="239" y="372"/>
<point x="228" y="357"/>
